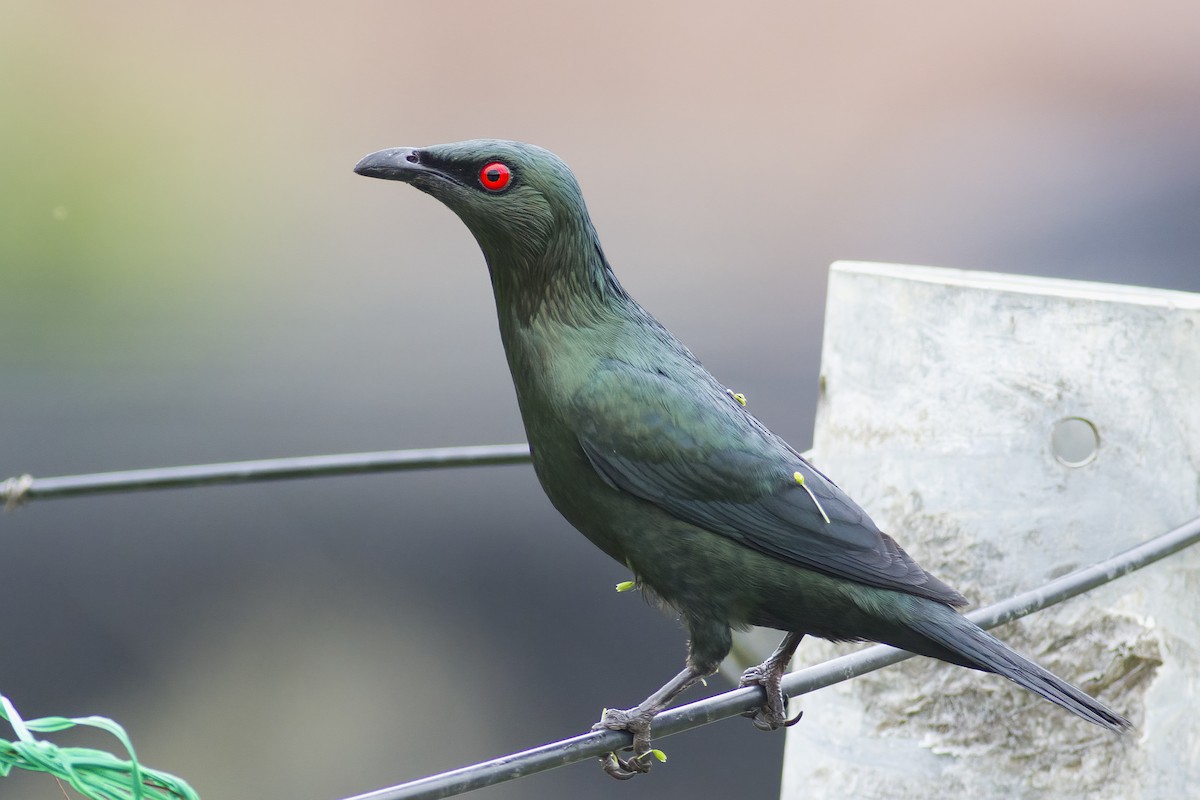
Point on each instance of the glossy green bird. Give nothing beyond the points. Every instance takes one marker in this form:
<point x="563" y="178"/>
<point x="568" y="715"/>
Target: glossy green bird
<point x="665" y="470"/>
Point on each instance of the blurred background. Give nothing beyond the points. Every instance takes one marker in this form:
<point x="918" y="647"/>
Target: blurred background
<point x="190" y="272"/>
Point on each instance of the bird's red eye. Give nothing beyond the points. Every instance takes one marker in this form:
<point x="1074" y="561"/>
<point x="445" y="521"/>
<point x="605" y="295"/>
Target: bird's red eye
<point x="495" y="176"/>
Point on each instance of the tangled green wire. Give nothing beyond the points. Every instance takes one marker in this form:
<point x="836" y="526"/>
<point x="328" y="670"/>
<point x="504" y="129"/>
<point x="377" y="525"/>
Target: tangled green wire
<point x="95" y="774"/>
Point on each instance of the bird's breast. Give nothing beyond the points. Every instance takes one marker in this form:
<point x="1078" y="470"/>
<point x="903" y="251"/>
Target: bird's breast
<point x="549" y="364"/>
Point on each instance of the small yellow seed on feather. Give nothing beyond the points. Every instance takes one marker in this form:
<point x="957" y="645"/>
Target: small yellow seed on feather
<point x="800" y="480"/>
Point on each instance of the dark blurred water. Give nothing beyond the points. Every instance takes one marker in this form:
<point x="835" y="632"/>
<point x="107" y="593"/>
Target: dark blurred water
<point x="191" y="272"/>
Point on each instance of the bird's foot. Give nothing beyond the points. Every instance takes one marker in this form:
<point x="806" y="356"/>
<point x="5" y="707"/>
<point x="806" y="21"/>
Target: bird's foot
<point x="637" y="722"/>
<point x="771" y="715"/>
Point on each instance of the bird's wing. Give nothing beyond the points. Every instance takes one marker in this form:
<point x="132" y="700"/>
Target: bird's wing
<point x="695" y="452"/>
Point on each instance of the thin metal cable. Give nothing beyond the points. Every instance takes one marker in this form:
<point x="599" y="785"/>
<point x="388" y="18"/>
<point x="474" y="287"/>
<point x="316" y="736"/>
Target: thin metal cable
<point x="732" y="703"/>
<point x="16" y="491"/>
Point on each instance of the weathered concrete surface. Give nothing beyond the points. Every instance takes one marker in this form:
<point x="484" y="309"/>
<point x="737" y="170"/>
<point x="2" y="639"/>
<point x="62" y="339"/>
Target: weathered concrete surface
<point x="940" y="391"/>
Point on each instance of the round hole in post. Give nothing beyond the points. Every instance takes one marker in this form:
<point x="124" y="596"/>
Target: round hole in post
<point x="1074" y="441"/>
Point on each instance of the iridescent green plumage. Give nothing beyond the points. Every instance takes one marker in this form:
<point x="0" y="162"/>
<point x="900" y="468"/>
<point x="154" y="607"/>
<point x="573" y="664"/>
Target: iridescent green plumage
<point x="664" y="469"/>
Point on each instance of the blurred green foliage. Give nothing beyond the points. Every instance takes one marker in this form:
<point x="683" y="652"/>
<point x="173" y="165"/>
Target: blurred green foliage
<point x="109" y="226"/>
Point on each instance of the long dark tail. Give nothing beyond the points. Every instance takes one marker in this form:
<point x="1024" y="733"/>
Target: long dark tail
<point x="977" y="648"/>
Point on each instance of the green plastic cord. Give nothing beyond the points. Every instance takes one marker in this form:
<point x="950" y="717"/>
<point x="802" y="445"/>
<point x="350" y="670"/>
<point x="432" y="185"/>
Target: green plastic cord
<point x="95" y="774"/>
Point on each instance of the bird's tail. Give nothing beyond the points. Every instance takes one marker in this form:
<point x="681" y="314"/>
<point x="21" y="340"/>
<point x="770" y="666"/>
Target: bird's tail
<point x="977" y="648"/>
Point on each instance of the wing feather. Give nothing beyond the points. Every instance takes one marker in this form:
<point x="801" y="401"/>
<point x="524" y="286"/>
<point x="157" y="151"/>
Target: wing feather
<point x="695" y="452"/>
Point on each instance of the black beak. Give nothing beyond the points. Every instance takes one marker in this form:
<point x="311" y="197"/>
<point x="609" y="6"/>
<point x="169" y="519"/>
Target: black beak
<point x="393" y="164"/>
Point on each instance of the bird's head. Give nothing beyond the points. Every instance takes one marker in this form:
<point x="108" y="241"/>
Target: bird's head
<point x="514" y="197"/>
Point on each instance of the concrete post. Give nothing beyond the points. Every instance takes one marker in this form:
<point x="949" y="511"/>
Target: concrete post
<point x="1007" y="430"/>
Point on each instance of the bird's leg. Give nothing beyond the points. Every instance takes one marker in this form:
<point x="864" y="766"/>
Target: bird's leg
<point x="772" y="714"/>
<point x="637" y="720"/>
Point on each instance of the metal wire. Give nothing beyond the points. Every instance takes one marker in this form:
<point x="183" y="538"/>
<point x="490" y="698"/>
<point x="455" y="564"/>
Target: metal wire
<point x="732" y="703"/>
<point x="21" y="489"/>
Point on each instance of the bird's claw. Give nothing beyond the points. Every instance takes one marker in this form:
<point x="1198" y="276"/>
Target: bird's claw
<point x="623" y="768"/>
<point x="764" y="722"/>
<point x="638" y="724"/>
<point x="771" y="715"/>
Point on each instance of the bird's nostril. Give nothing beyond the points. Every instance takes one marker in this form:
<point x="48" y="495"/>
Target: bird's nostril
<point x="412" y="158"/>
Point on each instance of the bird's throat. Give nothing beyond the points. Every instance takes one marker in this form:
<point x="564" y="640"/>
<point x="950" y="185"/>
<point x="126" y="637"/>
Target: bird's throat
<point x="568" y="281"/>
